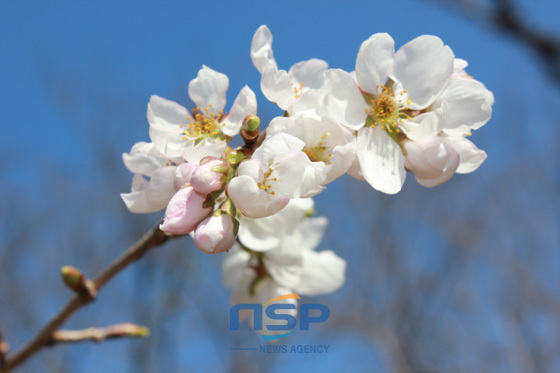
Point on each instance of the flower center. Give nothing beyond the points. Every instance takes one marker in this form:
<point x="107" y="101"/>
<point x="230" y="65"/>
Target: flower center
<point x="266" y="183"/>
<point x="298" y="89"/>
<point x="318" y="151"/>
<point x="386" y="109"/>
<point x="203" y="123"/>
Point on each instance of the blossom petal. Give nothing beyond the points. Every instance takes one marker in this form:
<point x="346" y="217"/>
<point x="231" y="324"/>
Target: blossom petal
<point x="162" y="186"/>
<point x="136" y="200"/>
<point x="470" y="157"/>
<point x="166" y="112"/>
<point x="381" y="160"/>
<point x="265" y="290"/>
<point x="309" y="72"/>
<point x="149" y="196"/>
<point x="310" y="232"/>
<point x="205" y="149"/>
<point x="355" y="171"/>
<point x="289" y="171"/>
<point x="252" y="168"/>
<point x="312" y="180"/>
<point x="261" y="49"/>
<point x="310" y="100"/>
<point x="295" y="212"/>
<point x="183" y="174"/>
<point x="141" y="163"/>
<point x="252" y="201"/>
<point x="245" y="104"/>
<point x="262" y="234"/>
<point x="468" y="105"/>
<point x="205" y="180"/>
<point x="285" y="264"/>
<point x="344" y="99"/>
<point x="166" y="118"/>
<point x="423" y="66"/>
<point x="343" y="156"/>
<point x="208" y="89"/>
<point x="277" y="125"/>
<point x="375" y="62"/>
<point x="275" y="146"/>
<point x="459" y="65"/>
<point x="184" y="212"/>
<point x="433" y="160"/>
<point x="323" y="272"/>
<point x="215" y="234"/>
<point x="277" y="87"/>
<point x="139" y="183"/>
<point x="424" y="125"/>
<point x="234" y="264"/>
<point x="137" y="203"/>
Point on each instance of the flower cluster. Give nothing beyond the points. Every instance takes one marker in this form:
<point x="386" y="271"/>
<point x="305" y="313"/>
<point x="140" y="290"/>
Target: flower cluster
<point x="409" y="110"/>
<point x="276" y="256"/>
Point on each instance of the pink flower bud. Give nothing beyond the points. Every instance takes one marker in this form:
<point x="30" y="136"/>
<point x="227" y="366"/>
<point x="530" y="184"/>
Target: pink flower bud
<point x="432" y="159"/>
<point x="183" y="174"/>
<point x="209" y="176"/>
<point x="215" y="234"/>
<point x="184" y="211"/>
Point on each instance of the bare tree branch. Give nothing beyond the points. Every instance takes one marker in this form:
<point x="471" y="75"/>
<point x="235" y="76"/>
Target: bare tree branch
<point x="124" y="330"/>
<point x="153" y="238"/>
<point x="3" y="349"/>
<point x="508" y="19"/>
<point x="504" y="15"/>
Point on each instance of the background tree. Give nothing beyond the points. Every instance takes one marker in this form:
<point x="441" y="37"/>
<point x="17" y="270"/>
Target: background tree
<point x="462" y="277"/>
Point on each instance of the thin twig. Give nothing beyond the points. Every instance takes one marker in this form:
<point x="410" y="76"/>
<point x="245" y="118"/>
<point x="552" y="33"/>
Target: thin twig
<point x="505" y="16"/>
<point x="4" y="347"/>
<point x="547" y="46"/>
<point x="124" y="330"/>
<point x="154" y="237"/>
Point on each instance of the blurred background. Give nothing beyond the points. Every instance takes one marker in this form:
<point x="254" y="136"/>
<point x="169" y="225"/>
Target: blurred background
<point x="463" y="277"/>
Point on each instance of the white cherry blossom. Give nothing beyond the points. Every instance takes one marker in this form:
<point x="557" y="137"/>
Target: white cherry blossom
<point x="267" y="233"/>
<point x="292" y="264"/>
<point x="463" y="106"/>
<point x="173" y="128"/>
<point x="260" y="269"/>
<point x="378" y="100"/>
<point x="331" y="148"/>
<point x="265" y="183"/>
<point x="238" y="274"/>
<point x="280" y="86"/>
<point x="153" y="182"/>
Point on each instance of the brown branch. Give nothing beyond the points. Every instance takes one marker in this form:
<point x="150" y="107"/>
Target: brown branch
<point x="153" y="238"/>
<point x="4" y="347"/>
<point x="125" y="330"/>
<point x="505" y="16"/>
<point x="75" y="280"/>
<point x="508" y="19"/>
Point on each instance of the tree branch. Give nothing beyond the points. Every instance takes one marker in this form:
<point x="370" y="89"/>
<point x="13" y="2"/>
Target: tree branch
<point x="153" y="238"/>
<point x="125" y="330"/>
<point x="508" y="19"/>
<point x="4" y="347"/>
<point x="505" y="16"/>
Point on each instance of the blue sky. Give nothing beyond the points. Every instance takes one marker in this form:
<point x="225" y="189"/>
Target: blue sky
<point x="71" y="72"/>
<point x="157" y="48"/>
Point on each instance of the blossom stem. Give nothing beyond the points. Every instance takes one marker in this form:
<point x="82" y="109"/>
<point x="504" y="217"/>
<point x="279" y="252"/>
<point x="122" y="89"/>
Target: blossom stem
<point x="153" y="238"/>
